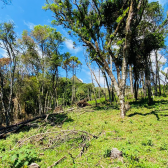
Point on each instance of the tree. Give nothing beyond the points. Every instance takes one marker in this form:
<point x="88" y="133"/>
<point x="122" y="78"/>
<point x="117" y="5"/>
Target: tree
<point x="146" y="38"/>
<point x="9" y="44"/>
<point x="72" y="63"/>
<point x="41" y="48"/>
<point x="97" y="24"/>
<point x="66" y="67"/>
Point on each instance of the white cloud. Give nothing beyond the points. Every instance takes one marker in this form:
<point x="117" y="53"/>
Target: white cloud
<point x="3" y="53"/>
<point x="115" y="46"/>
<point x="162" y="77"/>
<point x="166" y="70"/>
<point x="101" y="80"/>
<point x="162" y="60"/>
<point x="29" y="24"/>
<point x="81" y="80"/>
<point x="71" y="47"/>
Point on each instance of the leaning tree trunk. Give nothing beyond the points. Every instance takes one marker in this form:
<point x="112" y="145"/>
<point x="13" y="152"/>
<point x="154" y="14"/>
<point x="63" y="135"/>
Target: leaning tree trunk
<point x="93" y="84"/>
<point x="98" y="82"/>
<point x="121" y="83"/>
<point x="112" y="93"/>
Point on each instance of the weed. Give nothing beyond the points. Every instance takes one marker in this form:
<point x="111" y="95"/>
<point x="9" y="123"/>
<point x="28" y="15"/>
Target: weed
<point x="107" y="153"/>
<point x="164" y="146"/>
<point x="21" y="157"/>
<point x="147" y="142"/>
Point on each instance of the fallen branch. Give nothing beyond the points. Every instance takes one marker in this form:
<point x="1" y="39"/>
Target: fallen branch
<point x="15" y="127"/>
<point x="65" y="133"/>
<point x="71" y="109"/>
<point x="82" y="150"/>
<point x="57" y="162"/>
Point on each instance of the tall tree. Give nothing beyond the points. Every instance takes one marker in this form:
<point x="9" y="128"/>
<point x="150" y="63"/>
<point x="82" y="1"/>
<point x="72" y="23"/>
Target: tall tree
<point x="97" y="24"/>
<point x="9" y="44"/>
<point x="42" y="51"/>
<point x="146" y="39"/>
<point x="66" y="67"/>
<point x="72" y="63"/>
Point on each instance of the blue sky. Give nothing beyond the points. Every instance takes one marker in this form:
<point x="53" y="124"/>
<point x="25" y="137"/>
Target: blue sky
<point x="27" y="13"/>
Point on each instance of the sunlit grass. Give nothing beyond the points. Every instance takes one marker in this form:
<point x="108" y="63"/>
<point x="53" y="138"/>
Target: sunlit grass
<point x="141" y="136"/>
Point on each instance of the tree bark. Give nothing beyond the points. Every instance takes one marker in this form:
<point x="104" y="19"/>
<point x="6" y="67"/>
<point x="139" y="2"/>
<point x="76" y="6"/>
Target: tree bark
<point x="147" y="80"/>
<point x="2" y="98"/>
<point x="131" y="80"/>
<point x="120" y="84"/>
<point x="136" y="87"/>
<point x="157" y="75"/>
<point x="93" y="84"/>
<point x="98" y="83"/>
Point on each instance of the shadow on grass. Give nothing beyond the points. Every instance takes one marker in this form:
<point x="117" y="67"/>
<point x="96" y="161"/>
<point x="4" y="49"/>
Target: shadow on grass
<point x="151" y="113"/>
<point x="52" y="120"/>
<point x="144" y="103"/>
<point x="105" y="107"/>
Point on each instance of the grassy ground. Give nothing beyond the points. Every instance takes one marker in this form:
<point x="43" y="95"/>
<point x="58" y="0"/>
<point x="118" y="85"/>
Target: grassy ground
<point x="84" y="138"/>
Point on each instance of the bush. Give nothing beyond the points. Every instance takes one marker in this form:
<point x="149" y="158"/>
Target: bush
<point x="22" y="157"/>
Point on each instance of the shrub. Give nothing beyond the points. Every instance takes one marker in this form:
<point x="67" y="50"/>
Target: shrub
<point x="22" y="157"/>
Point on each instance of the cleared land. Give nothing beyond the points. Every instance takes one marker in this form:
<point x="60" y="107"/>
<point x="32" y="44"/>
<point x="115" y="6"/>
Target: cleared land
<point x="85" y="137"/>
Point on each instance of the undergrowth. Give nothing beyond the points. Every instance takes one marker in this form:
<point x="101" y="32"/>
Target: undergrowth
<point x="85" y="138"/>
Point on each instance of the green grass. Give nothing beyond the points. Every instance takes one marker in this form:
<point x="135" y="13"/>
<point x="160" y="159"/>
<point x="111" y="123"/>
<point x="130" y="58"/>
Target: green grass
<point x="142" y="136"/>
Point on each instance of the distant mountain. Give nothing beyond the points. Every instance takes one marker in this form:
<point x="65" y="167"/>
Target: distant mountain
<point x="77" y="80"/>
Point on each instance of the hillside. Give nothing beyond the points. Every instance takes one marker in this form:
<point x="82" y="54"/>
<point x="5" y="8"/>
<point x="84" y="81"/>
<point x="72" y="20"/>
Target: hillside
<point x="76" y="79"/>
<point x="84" y="138"/>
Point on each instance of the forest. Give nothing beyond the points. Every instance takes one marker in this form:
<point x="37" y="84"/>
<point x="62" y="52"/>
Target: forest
<point x="52" y="120"/>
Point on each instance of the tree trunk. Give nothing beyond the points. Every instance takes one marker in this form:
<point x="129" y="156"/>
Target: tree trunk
<point x="157" y="74"/>
<point x="131" y="80"/>
<point x="112" y="94"/>
<point x="73" y="84"/>
<point x="120" y="84"/>
<point x="122" y="105"/>
<point x="56" y="88"/>
<point x="135" y="90"/>
<point x="40" y="104"/>
<point x="93" y="85"/>
<point x="88" y="95"/>
<point x="156" y="78"/>
<point x="2" y="98"/>
<point x="65" y="91"/>
<point x="147" y="80"/>
<point x="45" y="107"/>
<point x="98" y="82"/>
<point x="107" y="86"/>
